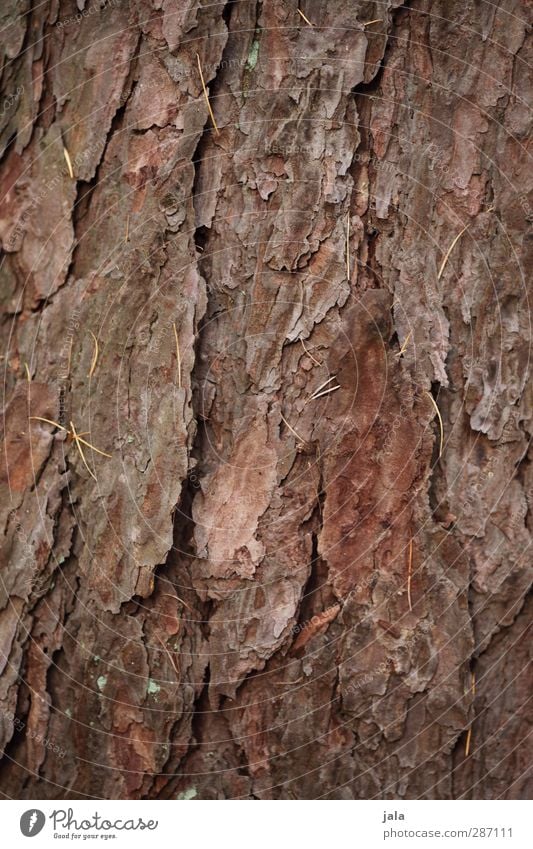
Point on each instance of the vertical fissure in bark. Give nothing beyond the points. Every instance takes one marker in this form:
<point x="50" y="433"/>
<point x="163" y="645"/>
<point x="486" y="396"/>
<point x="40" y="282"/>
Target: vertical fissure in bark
<point x="85" y="188"/>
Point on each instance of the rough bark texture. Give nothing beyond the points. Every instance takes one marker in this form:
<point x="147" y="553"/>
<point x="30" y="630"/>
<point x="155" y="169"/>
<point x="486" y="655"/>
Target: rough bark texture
<point x="265" y="595"/>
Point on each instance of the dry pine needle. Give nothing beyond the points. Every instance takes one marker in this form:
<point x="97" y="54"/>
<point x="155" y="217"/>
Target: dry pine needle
<point x="95" y="355"/>
<point x="431" y="398"/>
<point x="206" y="95"/>
<point x="308" y="22"/>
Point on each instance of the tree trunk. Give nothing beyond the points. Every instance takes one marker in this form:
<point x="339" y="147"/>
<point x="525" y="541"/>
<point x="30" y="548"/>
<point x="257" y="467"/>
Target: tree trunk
<point x="288" y="579"/>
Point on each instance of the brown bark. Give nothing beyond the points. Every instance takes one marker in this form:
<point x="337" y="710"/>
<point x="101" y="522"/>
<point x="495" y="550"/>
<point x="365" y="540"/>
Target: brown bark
<point x="265" y="594"/>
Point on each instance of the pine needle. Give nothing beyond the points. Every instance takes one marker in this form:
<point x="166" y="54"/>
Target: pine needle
<point x="48" y="421"/>
<point x="348" y="247"/>
<point x="206" y="95"/>
<point x="469" y="732"/>
<point x="333" y="377"/>
<point x="95" y="355"/>
<point x="66" y="154"/>
<point x="409" y="574"/>
<point x="325" y="392"/>
<point x="305" y="19"/>
<point x="76" y="439"/>
<point x="431" y="398"/>
<point x="317" y="390"/>
<point x="297" y="435"/>
<point x="450" y="249"/>
<point x="78" y="436"/>
<point x="375" y="21"/>
<point x="127" y="236"/>
<point x="468" y="739"/>
<point x="169" y="655"/>
<point x="177" y="354"/>
<point x="405" y="344"/>
<point x="28" y="375"/>
<point x="309" y="354"/>
<point x="92" y="447"/>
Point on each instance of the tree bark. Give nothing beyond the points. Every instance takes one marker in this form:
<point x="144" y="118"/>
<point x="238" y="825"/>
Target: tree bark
<point x="287" y="580"/>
